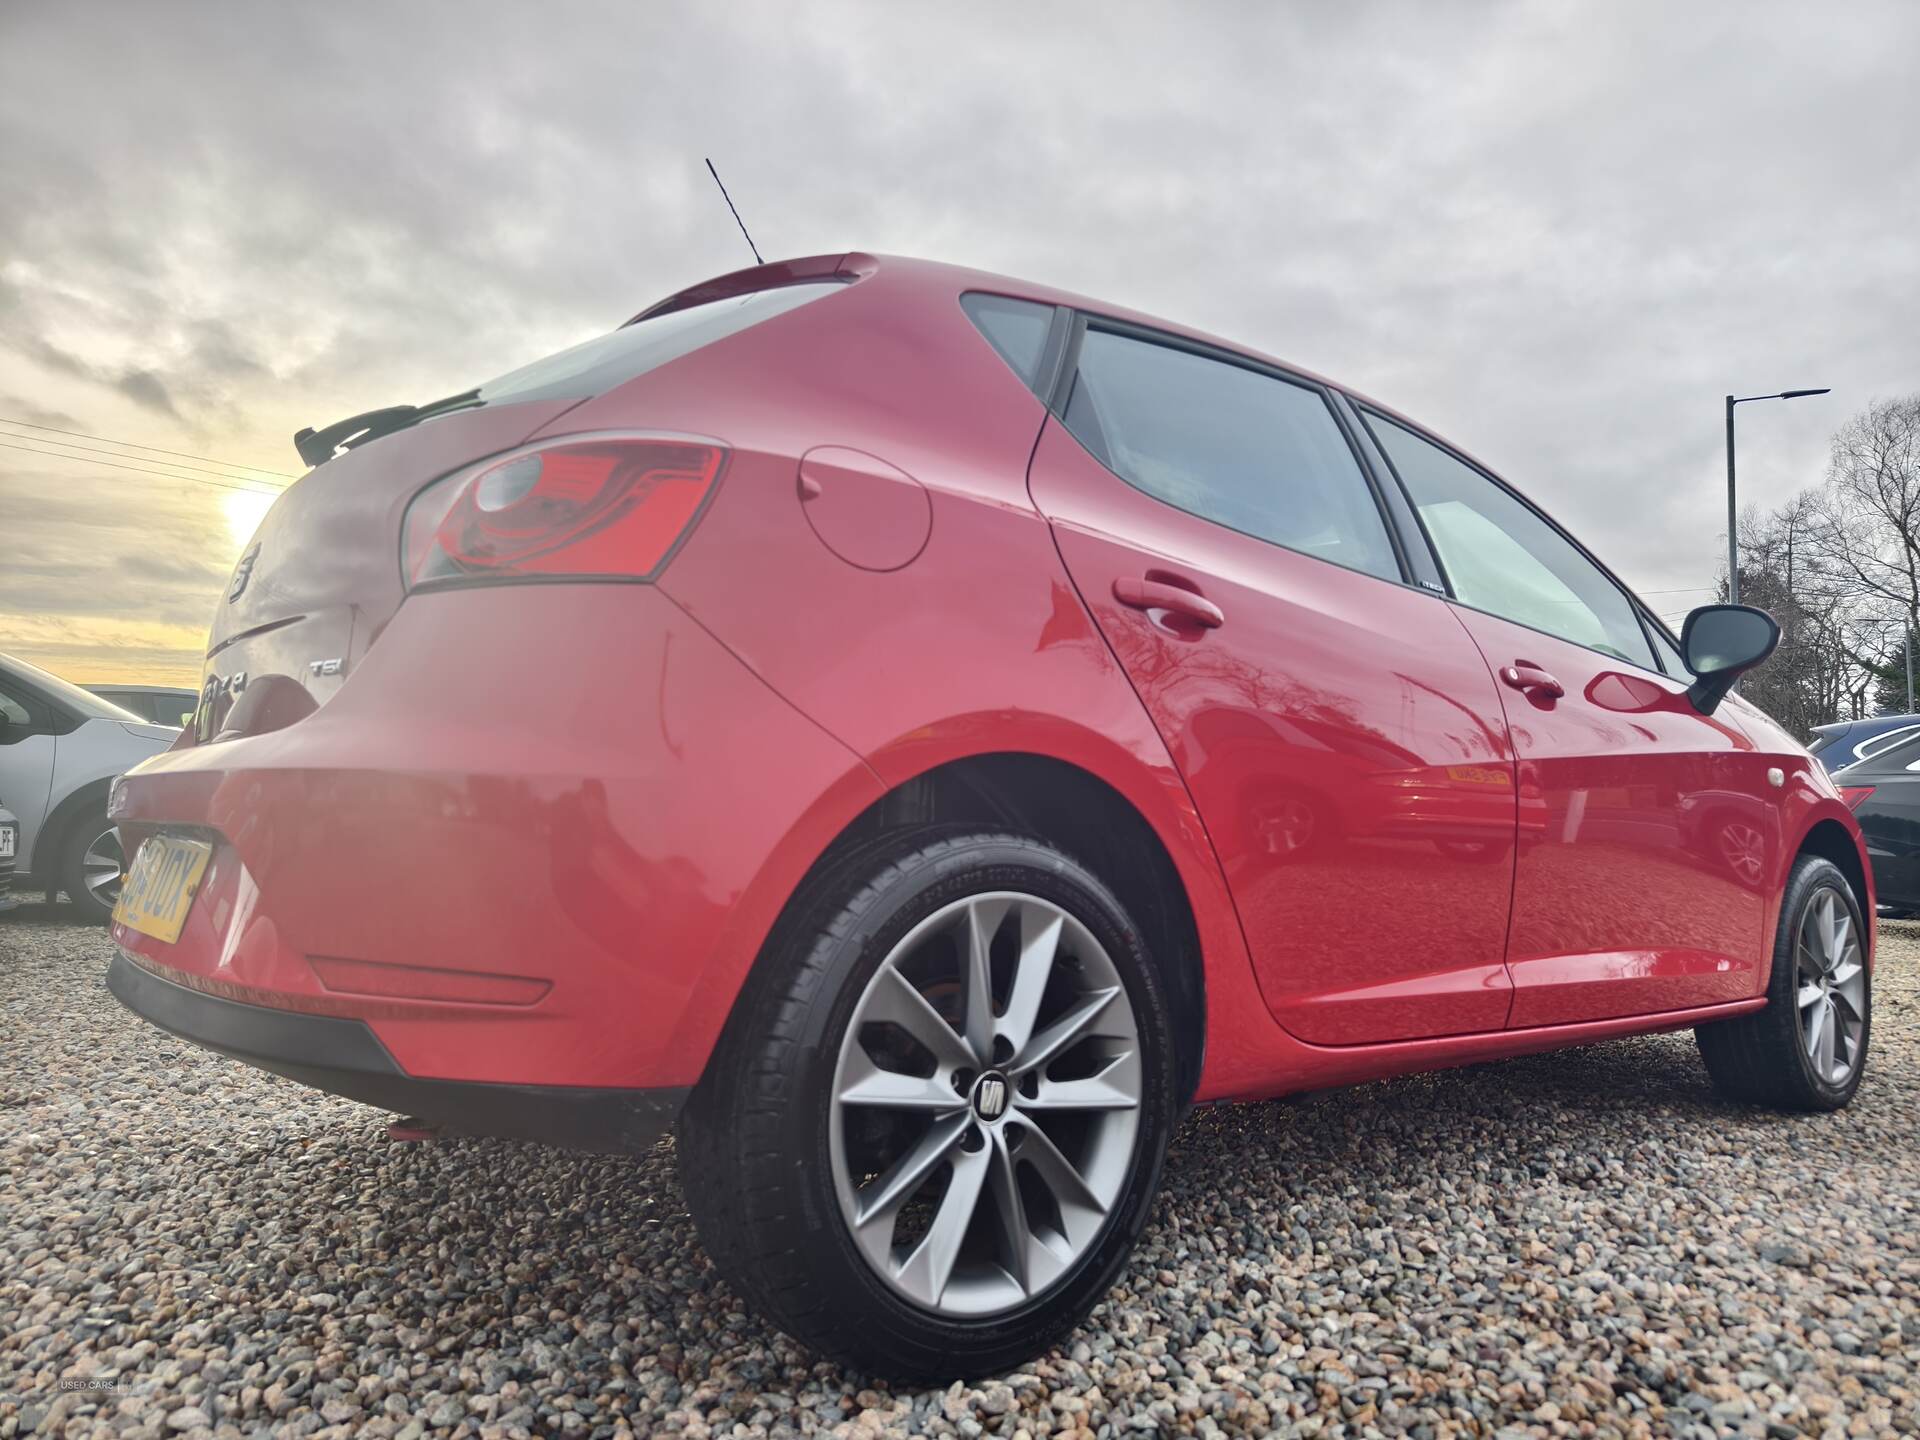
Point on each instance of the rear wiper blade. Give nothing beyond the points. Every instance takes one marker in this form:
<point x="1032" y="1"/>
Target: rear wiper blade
<point x="316" y="447"/>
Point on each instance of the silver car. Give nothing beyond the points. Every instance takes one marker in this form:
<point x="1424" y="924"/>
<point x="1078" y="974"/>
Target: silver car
<point x="9" y="848"/>
<point x="60" y="749"/>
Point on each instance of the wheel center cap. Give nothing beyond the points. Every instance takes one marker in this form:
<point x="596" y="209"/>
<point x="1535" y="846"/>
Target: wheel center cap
<point x="990" y="1095"/>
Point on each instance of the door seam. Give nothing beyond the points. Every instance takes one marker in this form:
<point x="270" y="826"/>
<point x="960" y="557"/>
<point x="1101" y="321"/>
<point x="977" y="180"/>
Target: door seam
<point x="1513" y="763"/>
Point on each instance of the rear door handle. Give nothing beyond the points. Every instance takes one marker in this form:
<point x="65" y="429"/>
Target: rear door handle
<point x="1525" y="675"/>
<point x="1158" y="595"/>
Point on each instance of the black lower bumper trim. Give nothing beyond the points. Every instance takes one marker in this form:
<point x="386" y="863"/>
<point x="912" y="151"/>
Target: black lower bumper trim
<point x="345" y="1057"/>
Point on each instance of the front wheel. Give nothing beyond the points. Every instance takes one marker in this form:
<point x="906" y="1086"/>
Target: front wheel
<point x="1808" y="1048"/>
<point x="936" y="1123"/>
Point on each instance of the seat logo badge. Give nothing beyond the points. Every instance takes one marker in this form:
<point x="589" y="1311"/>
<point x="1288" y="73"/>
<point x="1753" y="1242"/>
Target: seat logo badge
<point x="243" y="572"/>
<point x="990" y="1097"/>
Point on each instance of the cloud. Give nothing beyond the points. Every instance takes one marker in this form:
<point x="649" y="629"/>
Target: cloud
<point x="20" y="409"/>
<point x="1558" y="234"/>
<point x="143" y="387"/>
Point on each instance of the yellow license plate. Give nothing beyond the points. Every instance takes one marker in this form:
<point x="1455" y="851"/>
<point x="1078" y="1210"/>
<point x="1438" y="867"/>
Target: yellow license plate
<point x="160" y="887"/>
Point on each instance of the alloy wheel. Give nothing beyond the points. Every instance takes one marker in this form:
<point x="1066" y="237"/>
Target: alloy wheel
<point x="1831" y="987"/>
<point x="101" y="867"/>
<point x="985" y="1104"/>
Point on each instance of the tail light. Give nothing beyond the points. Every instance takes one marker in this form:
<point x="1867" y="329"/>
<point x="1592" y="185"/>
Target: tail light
<point x="603" y="508"/>
<point x="1854" y="794"/>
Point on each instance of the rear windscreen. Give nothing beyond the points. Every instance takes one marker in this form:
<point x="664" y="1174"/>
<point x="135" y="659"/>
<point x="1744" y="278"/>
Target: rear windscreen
<point x="596" y="366"/>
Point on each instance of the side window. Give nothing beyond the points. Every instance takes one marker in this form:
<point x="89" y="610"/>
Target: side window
<point x="1671" y="660"/>
<point x="1016" y="328"/>
<point x="1501" y="557"/>
<point x="1879" y="744"/>
<point x="17" y="722"/>
<point x="1232" y="445"/>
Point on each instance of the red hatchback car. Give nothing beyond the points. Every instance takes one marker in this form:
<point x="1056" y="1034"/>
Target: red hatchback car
<point x="919" y="732"/>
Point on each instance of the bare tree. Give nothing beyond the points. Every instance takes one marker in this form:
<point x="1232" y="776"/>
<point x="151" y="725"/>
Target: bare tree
<point x="1808" y="679"/>
<point x="1839" y="567"/>
<point x="1865" y="535"/>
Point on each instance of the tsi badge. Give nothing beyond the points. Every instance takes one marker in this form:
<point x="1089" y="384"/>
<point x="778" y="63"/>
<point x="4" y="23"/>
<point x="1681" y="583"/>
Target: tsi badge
<point x="325" y="667"/>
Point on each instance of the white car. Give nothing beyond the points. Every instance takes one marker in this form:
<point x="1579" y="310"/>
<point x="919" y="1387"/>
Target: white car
<point x="9" y="848"/>
<point x="60" y="750"/>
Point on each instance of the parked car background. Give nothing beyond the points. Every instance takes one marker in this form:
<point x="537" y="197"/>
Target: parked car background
<point x="9" y="850"/>
<point x="1884" y="791"/>
<point x="60" y="749"/>
<point x="1847" y="742"/>
<point x="162" y="704"/>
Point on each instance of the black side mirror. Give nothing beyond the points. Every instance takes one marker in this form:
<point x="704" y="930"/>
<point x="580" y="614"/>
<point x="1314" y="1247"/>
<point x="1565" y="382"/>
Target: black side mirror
<point x="1720" y="644"/>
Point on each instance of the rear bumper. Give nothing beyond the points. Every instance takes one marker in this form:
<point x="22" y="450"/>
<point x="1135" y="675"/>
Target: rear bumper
<point x="345" y="1057"/>
<point x="535" y="839"/>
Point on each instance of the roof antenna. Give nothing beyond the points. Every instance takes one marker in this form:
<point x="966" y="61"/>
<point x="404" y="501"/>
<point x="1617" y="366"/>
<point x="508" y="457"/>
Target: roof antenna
<point x="736" y="214"/>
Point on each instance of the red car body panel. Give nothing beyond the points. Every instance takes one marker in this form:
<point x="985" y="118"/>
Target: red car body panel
<point x="531" y="813"/>
<point x="537" y="834"/>
<point x="1621" y="907"/>
<point x="1356" y="710"/>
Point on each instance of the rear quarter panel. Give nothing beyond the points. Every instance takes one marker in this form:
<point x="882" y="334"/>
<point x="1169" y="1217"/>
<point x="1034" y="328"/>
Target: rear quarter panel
<point x="980" y="644"/>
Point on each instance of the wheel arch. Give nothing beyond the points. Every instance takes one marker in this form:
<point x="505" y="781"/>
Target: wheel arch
<point x="52" y="840"/>
<point x="1088" y="818"/>
<point x="1830" y="840"/>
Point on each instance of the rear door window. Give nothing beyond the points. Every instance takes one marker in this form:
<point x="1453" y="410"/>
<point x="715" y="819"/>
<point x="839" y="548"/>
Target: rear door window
<point x="1230" y="444"/>
<point x="15" y="717"/>
<point x="1901" y="757"/>
<point x="1503" y="557"/>
<point x="1881" y="743"/>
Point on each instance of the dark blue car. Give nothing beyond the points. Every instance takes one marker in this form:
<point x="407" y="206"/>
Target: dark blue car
<point x="1847" y="742"/>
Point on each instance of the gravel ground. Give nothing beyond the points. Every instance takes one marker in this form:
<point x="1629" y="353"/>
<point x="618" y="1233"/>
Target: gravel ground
<point x="1587" y="1243"/>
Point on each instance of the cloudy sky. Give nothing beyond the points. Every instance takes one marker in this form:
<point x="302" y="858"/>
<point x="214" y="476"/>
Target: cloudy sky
<point x="1558" y="233"/>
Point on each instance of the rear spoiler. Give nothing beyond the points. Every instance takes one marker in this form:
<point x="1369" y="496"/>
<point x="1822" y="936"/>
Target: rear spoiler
<point x="854" y="265"/>
<point x="316" y="447"/>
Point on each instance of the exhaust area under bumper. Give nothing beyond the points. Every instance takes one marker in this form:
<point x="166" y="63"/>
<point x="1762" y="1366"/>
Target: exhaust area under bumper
<point x="344" y="1057"/>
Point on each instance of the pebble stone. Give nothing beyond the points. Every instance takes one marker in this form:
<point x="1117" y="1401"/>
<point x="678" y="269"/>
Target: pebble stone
<point x="1580" y="1244"/>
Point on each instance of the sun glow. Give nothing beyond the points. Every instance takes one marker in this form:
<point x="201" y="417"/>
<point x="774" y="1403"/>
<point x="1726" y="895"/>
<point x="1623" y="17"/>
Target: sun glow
<point x="244" y="509"/>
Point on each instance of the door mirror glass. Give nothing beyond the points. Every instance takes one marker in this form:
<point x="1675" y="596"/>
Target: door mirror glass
<point x="1721" y="643"/>
<point x="1727" y="637"/>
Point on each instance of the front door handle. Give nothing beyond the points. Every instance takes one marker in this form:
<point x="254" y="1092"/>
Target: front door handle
<point x="1525" y="675"/>
<point x="1158" y="595"/>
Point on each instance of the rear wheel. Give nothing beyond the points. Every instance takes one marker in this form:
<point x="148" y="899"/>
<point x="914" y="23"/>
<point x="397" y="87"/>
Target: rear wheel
<point x="937" y="1121"/>
<point x="90" y="869"/>
<point x="1808" y="1048"/>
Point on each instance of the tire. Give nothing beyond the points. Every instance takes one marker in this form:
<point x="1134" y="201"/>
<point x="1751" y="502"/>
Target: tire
<point x="774" y="1142"/>
<point x="90" y="839"/>
<point x="1765" y="1058"/>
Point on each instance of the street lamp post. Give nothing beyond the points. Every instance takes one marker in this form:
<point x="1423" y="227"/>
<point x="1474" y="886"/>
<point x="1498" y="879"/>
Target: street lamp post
<point x="1733" y="515"/>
